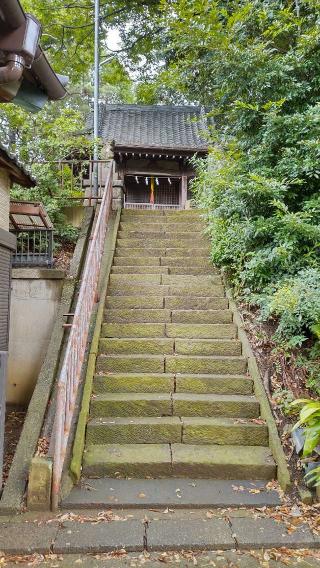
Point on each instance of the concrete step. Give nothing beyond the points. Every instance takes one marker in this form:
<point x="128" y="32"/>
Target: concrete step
<point x="201" y="331"/>
<point x="131" y="302"/>
<point x="205" y="365"/>
<point x="214" y="384"/>
<point x="177" y="404"/>
<point x="162" y="494"/>
<point x="131" y="279"/>
<point x="133" y="330"/>
<point x="134" y="382"/>
<point x="137" y="315"/>
<point x="172" y="429"/>
<point x="202" y="461"/>
<point x="168" y="382"/>
<point x="131" y="404"/>
<point x="202" y="316"/>
<point x="207" y="347"/>
<point x="130" y="363"/>
<point x="134" y="430"/>
<point x="197" y="303"/>
<point x="159" y="346"/>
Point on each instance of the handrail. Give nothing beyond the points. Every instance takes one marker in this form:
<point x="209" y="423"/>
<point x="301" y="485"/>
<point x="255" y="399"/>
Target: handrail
<point x="69" y="378"/>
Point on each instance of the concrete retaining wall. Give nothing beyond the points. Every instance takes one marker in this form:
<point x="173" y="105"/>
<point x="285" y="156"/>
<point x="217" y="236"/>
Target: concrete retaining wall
<point x="35" y="298"/>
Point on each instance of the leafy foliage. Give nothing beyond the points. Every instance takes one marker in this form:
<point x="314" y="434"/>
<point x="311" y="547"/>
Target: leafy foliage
<point x="309" y="418"/>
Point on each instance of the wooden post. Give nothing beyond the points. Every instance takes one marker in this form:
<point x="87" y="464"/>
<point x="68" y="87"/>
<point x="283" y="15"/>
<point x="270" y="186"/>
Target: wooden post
<point x="184" y="189"/>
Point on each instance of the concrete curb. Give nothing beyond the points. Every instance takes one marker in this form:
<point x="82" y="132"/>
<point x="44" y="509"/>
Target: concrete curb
<point x="13" y="494"/>
<point x="275" y="445"/>
<point x="79" y="440"/>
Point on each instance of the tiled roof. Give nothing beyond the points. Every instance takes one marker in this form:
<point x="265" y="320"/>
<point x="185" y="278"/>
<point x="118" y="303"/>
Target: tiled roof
<point x="154" y="126"/>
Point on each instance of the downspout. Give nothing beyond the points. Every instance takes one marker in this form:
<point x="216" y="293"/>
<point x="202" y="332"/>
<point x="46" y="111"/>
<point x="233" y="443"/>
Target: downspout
<point x="12" y="71"/>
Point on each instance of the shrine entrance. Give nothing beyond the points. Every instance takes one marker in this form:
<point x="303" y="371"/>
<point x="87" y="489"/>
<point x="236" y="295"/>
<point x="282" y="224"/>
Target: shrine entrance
<point x="146" y="191"/>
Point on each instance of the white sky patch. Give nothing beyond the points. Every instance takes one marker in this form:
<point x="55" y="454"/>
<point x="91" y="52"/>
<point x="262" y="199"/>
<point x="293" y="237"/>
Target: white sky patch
<point x="113" y="39"/>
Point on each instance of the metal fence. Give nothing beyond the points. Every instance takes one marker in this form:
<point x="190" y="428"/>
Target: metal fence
<point x="34" y="248"/>
<point x="69" y="378"/>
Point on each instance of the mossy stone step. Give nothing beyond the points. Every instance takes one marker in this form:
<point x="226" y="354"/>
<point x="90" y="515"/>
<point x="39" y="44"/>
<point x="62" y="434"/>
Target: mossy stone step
<point x="239" y="406"/>
<point x="161" y="234"/>
<point x="133" y="330"/>
<point x="196" y="290"/>
<point x="203" y="364"/>
<point x="134" y="382"/>
<point x="129" y="270"/>
<point x="161" y="242"/>
<point x="166" y="226"/>
<point x="137" y="315"/>
<point x="156" y="252"/>
<point x="130" y="363"/>
<point x="126" y="302"/>
<point x="159" y="346"/>
<point x="137" y="213"/>
<point x="135" y="279"/>
<point x="131" y="404"/>
<point x="172" y="429"/>
<point x="136" y="261"/>
<point x="136" y="289"/>
<point x="134" y="430"/>
<point x="189" y="280"/>
<point x="185" y="270"/>
<point x="223" y="431"/>
<point x="201" y="331"/>
<point x="197" y="303"/>
<point x="199" y="461"/>
<point x="214" y="384"/>
<point x="127" y="460"/>
<point x="222" y="462"/>
<point x="177" y="261"/>
<point x="207" y="347"/>
<point x="202" y="316"/>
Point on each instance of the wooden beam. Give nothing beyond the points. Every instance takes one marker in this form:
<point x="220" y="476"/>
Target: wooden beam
<point x="184" y="190"/>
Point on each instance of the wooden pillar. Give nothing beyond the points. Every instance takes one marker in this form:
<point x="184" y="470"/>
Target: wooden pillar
<point x="184" y="189"/>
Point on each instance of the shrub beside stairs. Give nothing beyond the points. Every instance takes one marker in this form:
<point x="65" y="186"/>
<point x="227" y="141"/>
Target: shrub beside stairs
<point x="172" y="396"/>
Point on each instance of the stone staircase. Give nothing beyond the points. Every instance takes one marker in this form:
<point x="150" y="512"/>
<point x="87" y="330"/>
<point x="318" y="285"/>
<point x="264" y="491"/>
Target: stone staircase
<point x="171" y="395"/>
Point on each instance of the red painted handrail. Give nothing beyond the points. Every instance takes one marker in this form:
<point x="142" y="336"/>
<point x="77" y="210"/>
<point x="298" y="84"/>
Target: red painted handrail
<point x="69" y="378"/>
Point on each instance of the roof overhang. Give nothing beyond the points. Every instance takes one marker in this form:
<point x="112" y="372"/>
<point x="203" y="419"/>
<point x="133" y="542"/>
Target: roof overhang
<point x="17" y="173"/>
<point x="26" y="76"/>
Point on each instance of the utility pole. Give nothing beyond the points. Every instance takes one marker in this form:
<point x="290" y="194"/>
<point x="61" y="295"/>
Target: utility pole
<point x="96" y="96"/>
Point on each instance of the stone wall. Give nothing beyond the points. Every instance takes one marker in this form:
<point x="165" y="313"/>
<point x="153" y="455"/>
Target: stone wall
<point x="4" y="199"/>
<point x="35" y="298"/>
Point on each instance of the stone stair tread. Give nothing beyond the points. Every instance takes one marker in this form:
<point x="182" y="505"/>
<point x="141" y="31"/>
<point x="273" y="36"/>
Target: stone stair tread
<point x="171" y="393"/>
<point x="154" y="460"/>
<point x="161" y="494"/>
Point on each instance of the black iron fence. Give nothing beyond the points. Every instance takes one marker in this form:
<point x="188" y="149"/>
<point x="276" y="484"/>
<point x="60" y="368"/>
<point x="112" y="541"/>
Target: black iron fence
<point x="34" y="248"/>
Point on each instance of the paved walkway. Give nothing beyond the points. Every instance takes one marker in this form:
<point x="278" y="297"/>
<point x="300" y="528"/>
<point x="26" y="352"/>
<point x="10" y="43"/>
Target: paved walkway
<point x="145" y="532"/>
<point x="230" y="559"/>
